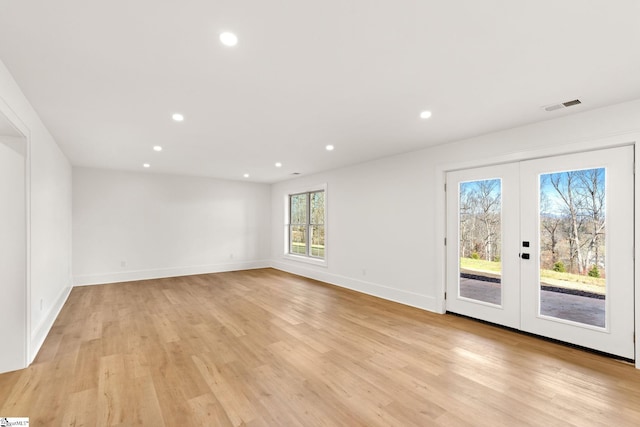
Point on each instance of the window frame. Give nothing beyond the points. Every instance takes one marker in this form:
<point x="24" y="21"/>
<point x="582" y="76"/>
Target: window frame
<point x="307" y="256"/>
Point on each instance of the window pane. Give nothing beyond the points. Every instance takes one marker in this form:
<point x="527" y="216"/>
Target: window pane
<point x="480" y="240"/>
<point x="299" y="209"/>
<point x="317" y="207"/>
<point x="573" y="282"/>
<point x="298" y="239"/>
<point x="317" y="241"/>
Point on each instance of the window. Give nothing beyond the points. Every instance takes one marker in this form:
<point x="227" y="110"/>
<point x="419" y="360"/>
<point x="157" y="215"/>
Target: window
<point x="307" y="224"/>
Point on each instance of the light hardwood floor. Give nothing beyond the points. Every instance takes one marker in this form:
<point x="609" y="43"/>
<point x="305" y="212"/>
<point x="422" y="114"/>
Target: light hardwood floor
<point x="264" y="347"/>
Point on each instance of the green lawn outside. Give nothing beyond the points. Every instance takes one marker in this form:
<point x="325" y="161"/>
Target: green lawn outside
<point x="299" y="248"/>
<point x="593" y="284"/>
<point x="481" y="265"/>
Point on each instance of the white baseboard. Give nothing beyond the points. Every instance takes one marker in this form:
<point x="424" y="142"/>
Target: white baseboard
<point x="129" y="276"/>
<point x="403" y="297"/>
<point x="42" y="330"/>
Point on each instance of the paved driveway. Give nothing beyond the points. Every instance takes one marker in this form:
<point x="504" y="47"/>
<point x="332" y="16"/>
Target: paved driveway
<point x="583" y="309"/>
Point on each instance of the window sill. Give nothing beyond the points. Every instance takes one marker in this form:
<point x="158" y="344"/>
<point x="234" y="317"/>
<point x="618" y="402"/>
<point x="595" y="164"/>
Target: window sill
<point x="305" y="259"/>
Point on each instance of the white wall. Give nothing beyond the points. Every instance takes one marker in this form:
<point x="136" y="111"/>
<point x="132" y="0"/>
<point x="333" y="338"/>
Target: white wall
<point x="385" y="218"/>
<point x="49" y="214"/>
<point x="141" y="225"/>
<point x="378" y="228"/>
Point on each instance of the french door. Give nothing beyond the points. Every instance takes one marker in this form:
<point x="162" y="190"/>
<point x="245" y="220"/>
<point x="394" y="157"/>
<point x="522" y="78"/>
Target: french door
<point x="546" y="246"/>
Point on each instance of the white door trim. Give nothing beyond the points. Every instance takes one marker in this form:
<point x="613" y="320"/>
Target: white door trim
<point x="23" y="129"/>
<point x="632" y="138"/>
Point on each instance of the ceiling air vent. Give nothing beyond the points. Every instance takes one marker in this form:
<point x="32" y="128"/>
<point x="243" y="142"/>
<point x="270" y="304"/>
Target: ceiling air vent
<point x="571" y="103"/>
<point x="562" y="105"/>
<point x="295" y="173"/>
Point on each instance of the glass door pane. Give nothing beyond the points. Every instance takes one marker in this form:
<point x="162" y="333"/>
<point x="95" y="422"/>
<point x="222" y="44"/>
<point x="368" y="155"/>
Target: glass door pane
<point x="480" y="246"/>
<point x="573" y="283"/>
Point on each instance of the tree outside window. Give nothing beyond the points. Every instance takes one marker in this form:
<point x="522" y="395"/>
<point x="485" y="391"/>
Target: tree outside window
<point x="307" y="224"/>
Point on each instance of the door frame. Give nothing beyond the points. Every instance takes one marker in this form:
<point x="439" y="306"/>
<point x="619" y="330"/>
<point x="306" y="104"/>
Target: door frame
<point x="24" y="133"/>
<point x="626" y="139"/>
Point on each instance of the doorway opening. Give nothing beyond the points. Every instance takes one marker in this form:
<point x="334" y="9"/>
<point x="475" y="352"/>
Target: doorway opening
<point x="13" y="247"/>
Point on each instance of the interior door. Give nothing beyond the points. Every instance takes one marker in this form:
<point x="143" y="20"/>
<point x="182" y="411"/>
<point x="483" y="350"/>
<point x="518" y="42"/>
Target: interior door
<point x="546" y="246"/>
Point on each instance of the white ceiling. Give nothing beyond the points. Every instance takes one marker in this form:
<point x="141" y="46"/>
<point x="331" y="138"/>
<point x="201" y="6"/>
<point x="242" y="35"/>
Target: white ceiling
<point x="105" y="76"/>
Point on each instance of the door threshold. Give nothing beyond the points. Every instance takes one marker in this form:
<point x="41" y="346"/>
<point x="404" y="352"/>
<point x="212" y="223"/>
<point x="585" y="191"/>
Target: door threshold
<point x="552" y="340"/>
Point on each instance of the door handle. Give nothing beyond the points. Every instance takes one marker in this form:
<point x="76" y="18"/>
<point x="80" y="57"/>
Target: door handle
<point x="524" y="256"/>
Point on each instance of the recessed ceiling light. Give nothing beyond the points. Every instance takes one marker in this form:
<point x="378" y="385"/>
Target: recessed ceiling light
<point x="157" y="148"/>
<point x="278" y="164"/>
<point x="177" y="117"/>
<point x="425" y="114"/>
<point x="228" y="39"/>
<point x="246" y="175"/>
<point x="329" y="147"/>
<point x="146" y="165"/>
